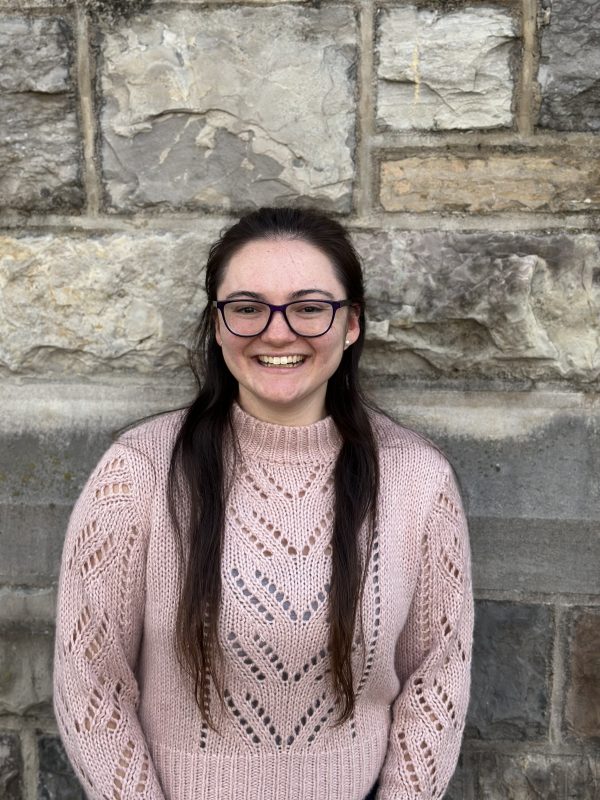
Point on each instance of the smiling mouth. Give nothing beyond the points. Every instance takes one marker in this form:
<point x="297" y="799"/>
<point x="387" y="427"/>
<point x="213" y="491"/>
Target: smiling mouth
<point x="281" y="361"/>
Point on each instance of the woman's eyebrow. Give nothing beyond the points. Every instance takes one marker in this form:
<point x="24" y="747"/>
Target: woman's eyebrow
<point x="292" y="295"/>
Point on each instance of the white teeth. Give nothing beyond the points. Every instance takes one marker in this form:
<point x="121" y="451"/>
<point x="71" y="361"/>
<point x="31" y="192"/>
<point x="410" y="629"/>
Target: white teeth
<point x="281" y="361"/>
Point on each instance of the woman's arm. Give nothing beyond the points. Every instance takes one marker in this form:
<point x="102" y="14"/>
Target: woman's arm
<point x="99" y="625"/>
<point x="433" y="660"/>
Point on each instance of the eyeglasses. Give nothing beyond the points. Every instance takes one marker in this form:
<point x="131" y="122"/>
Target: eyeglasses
<point x="309" y="318"/>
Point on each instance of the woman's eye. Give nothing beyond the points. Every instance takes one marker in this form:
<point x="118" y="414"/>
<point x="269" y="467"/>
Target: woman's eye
<point x="245" y="310"/>
<point x="311" y="309"/>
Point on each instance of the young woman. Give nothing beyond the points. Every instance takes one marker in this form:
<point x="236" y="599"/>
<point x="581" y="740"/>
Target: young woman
<point x="267" y="595"/>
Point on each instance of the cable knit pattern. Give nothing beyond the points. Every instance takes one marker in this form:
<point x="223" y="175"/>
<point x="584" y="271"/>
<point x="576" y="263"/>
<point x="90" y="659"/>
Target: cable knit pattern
<point x="126" y="712"/>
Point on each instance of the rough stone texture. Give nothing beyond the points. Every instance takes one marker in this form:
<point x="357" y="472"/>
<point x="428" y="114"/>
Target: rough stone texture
<point x="25" y="670"/>
<point x="583" y="695"/>
<point x="570" y="67"/>
<point x="57" y="780"/>
<point x="11" y="767"/>
<point x="511" y="658"/>
<point x="484" y="183"/>
<point x="521" y="306"/>
<point x="230" y="108"/>
<point x="441" y="70"/>
<point x="499" y="305"/>
<point x="39" y="145"/>
<point x="77" y="304"/>
<point x="532" y="776"/>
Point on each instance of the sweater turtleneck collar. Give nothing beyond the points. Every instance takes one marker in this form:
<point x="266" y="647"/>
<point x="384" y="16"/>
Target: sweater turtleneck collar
<point x="303" y="444"/>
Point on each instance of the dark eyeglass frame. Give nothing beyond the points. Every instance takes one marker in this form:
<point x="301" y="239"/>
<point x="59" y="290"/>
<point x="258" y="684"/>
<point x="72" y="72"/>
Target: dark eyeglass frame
<point x="335" y="305"/>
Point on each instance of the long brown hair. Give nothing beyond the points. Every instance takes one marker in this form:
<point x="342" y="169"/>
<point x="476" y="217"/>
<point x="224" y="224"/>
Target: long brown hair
<point x="197" y="470"/>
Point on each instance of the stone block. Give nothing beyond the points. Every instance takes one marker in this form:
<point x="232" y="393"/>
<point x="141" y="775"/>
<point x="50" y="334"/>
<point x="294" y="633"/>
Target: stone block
<point x="512" y="649"/>
<point x="57" y="780"/>
<point x="39" y="145"/>
<point x="230" y="108"/>
<point x="569" y="72"/>
<point x="583" y="690"/>
<point x="71" y="304"/>
<point x="32" y="539"/>
<point x="524" y="555"/>
<point x="502" y="305"/>
<point x="484" y="183"/>
<point x="532" y="776"/>
<point x="26" y="670"/>
<point x="26" y="606"/>
<point x="441" y="71"/>
<point x="11" y="767"/>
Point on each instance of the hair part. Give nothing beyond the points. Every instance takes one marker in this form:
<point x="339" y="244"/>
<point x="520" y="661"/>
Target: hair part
<point x="197" y="474"/>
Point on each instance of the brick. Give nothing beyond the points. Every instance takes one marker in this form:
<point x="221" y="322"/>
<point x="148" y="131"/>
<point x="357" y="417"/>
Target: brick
<point x="39" y="145"/>
<point x="491" y="182"/>
<point x="11" y="767"/>
<point x="57" y="780"/>
<point x="510" y="695"/>
<point x="440" y="71"/>
<point x="230" y="108"/>
<point x="570" y="67"/>
<point x="583" y="689"/>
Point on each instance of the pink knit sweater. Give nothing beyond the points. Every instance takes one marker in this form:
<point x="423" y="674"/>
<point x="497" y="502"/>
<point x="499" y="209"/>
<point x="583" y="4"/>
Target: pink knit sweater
<point x="126" y="712"/>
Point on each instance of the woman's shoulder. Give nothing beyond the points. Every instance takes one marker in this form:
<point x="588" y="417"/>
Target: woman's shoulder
<point x="394" y="439"/>
<point x="152" y="439"/>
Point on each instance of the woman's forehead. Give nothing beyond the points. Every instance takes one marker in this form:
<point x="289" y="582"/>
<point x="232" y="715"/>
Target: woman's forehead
<point x="280" y="264"/>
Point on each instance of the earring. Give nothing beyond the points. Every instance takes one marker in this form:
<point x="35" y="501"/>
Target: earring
<point x="347" y="342"/>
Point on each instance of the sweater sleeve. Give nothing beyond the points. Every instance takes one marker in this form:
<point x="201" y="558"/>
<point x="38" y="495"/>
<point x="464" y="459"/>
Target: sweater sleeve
<point x="433" y="658"/>
<point x="99" y="626"/>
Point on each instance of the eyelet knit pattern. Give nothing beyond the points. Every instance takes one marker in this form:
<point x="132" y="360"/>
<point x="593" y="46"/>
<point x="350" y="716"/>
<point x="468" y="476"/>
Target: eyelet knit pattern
<point x="126" y="711"/>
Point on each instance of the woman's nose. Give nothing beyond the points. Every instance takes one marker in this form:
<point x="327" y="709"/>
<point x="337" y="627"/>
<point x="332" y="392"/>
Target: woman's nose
<point x="278" y="329"/>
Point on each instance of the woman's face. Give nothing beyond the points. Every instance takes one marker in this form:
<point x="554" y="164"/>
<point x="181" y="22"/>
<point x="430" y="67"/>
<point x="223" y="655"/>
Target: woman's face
<point x="278" y="272"/>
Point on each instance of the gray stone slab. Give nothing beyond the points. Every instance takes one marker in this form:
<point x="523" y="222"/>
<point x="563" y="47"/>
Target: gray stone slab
<point x="26" y="670"/>
<point x="523" y="555"/>
<point x="532" y="776"/>
<point x="440" y="70"/>
<point x="569" y="71"/>
<point x="31" y="542"/>
<point x="11" y="767"/>
<point x="57" y="780"/>
<point x="39" y="144"/>
<point x="527" y="463"/>
<point x="510" y="694"/>
<point x="26" y="606"/>
<point x="511" y="306"/>
<point x="230" y="108"/>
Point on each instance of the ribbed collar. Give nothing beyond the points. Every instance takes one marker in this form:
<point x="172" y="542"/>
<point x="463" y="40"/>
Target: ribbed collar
<point x="303" y="444"/>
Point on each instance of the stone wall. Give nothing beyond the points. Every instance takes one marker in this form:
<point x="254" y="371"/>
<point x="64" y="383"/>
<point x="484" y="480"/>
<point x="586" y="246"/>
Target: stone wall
<point x="458" y="139"/>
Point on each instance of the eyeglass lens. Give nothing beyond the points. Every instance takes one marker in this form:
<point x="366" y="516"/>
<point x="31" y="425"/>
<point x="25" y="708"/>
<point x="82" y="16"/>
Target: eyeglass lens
<point x="306" y="318"/>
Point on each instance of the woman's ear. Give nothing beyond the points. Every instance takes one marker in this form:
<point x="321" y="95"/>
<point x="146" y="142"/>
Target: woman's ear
<point x="353" y="324"/>
<point x="217" y="324"/>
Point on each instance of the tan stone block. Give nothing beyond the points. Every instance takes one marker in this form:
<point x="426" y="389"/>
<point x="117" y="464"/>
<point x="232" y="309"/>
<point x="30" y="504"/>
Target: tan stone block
<point x="583" y="696"/>
<point x="495" y="182"/>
